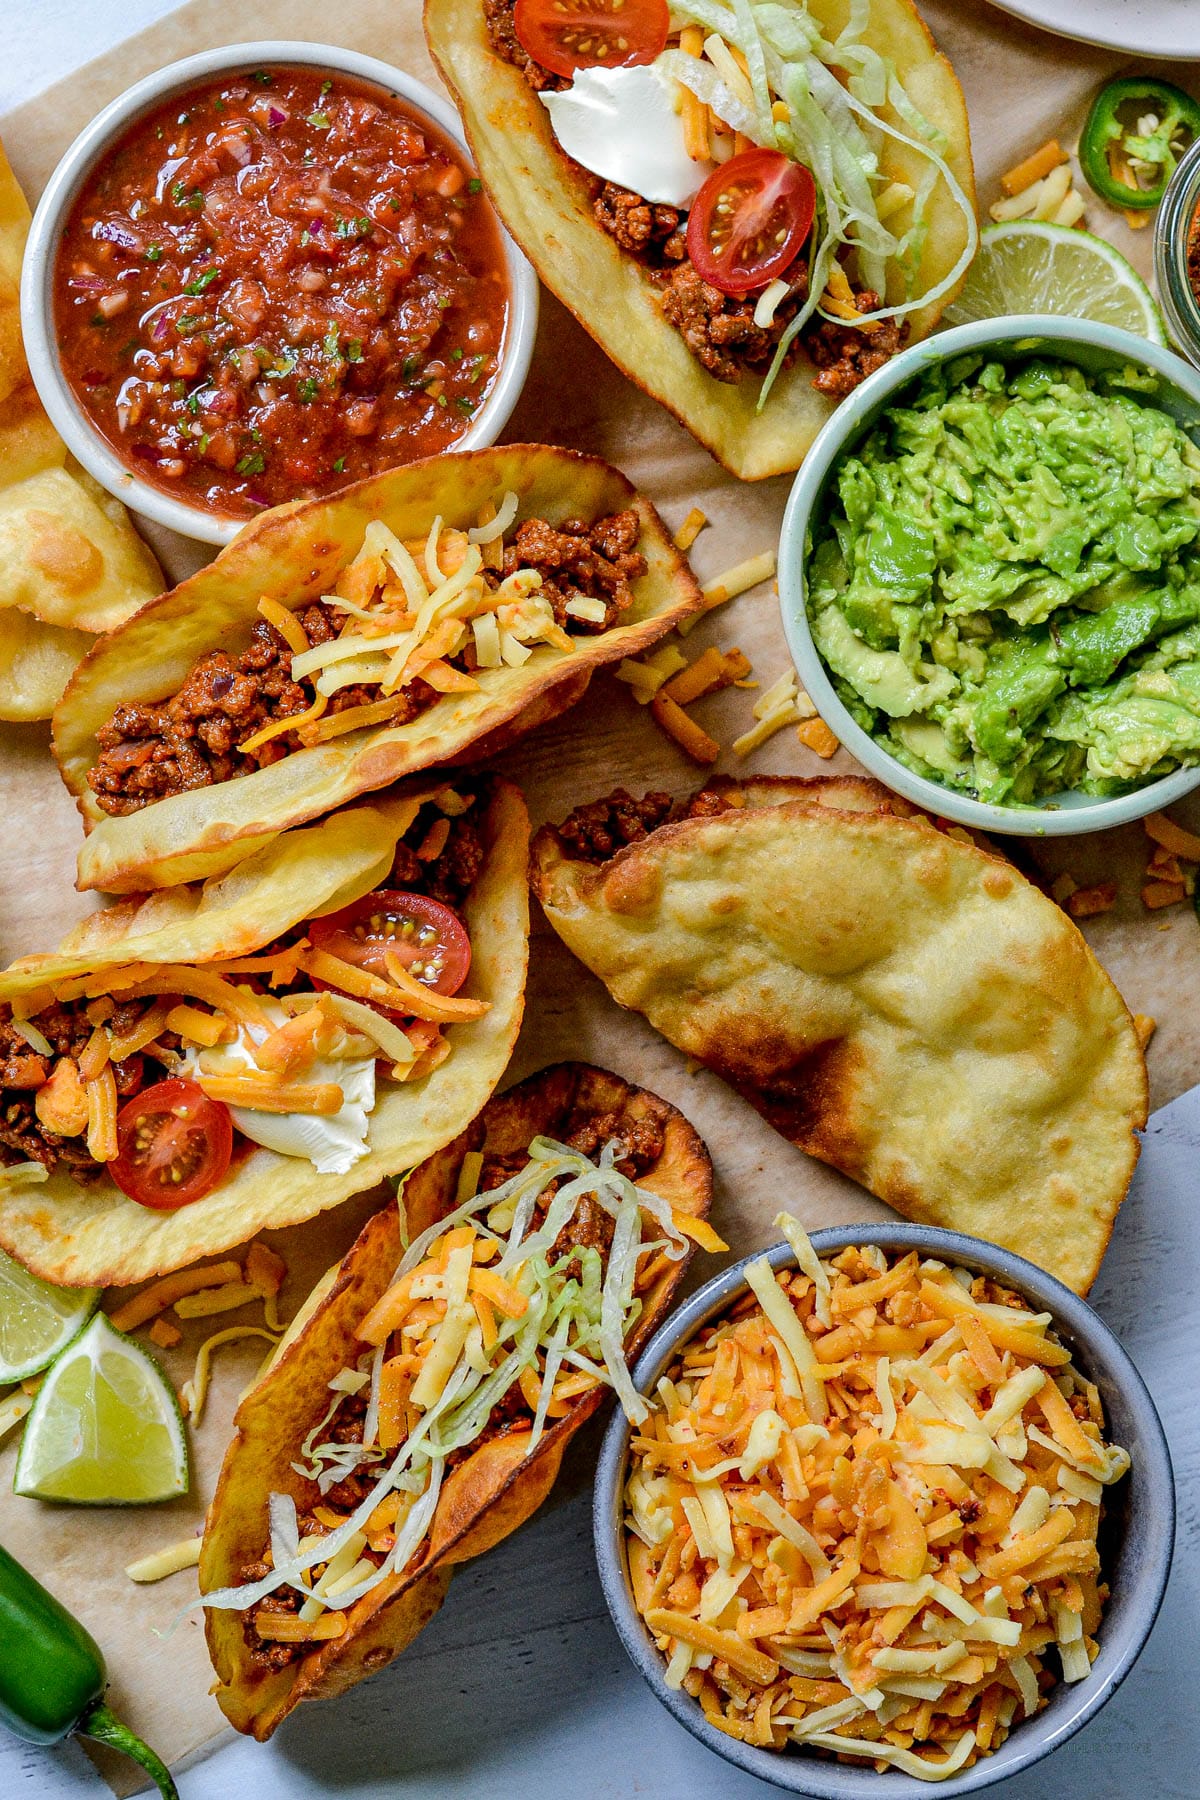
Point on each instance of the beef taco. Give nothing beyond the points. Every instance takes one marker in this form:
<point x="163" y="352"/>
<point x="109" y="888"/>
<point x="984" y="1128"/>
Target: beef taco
<point x="424" y="616"/>
<point x="421" y="1411"/>
<point x="71" y="564"/>
<point x="750" y="204"/>
<point x="896" y="1001"/>
<point x="204" y="1063"/>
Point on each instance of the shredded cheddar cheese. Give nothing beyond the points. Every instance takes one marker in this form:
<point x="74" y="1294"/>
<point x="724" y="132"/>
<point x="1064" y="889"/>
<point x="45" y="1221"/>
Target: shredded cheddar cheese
<point x="847" y="1527"/>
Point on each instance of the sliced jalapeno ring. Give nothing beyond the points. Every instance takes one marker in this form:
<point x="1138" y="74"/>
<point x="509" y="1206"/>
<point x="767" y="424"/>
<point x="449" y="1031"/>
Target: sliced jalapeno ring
<point x="1136" y="131"/>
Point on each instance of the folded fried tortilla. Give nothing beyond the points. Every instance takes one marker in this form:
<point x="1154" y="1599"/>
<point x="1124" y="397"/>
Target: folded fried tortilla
<point x="547" y="203"/>
<point x="427" y="615"/>
<point x="897" y="1002"/>
<point x="71" y="564"/>
<point x="577" y="1119"/>
<point x="172" y="963"/>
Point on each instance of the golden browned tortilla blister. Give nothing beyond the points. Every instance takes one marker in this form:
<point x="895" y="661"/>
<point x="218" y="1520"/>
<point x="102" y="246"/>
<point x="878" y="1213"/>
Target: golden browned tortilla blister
<point x="293" y="556"/>
<point x="548" y="210"/>
<point x="93" y="1235"/>
<point x="498" y="1485"/>
<point x="900" y="1003"/>
<point x="71" y="564"/>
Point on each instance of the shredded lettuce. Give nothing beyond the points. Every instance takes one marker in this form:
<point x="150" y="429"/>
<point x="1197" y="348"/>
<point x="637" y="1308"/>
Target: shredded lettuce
<point x="835" y="93"/>
<point x="579" y="1313"/>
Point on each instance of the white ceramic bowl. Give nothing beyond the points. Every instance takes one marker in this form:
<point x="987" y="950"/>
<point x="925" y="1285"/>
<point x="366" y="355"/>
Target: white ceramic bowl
<point x="1091" y="347"/>
<point x="37" y="276"/>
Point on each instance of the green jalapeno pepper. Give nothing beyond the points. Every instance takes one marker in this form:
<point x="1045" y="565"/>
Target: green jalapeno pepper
<point x="52" y="1675"/>
<point x="1126" y="166"/>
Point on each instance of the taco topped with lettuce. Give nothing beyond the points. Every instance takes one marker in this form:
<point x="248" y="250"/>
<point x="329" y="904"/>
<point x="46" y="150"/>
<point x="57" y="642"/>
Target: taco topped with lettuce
<point x="437" y="611"/>
<point x="420" y="1412"/>
<point x="750" y="204"/>
<point x="194" y="1067"/>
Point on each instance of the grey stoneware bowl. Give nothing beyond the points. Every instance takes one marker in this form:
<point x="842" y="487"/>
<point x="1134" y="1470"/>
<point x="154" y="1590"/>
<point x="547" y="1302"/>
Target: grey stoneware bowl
<point x="1091" y="347"/>
<point x="1136" y="1539"/>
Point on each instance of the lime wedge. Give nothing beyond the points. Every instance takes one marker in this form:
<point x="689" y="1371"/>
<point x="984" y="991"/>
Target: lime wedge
<point x="1025" y="266"/>
<point x="105" y="1429"/>
<point x="36" y="1319"/>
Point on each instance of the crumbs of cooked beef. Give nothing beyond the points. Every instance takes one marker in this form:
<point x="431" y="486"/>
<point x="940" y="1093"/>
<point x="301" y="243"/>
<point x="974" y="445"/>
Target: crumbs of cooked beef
<point x="657" y="234"/>
<point x="719" y="329"/>
<point x="845" y="354"/>
<point x="577" y="561"/>
<point x="23" y="1070"/>
<point x="596" y="831"/>
<point x="192" y="739"/>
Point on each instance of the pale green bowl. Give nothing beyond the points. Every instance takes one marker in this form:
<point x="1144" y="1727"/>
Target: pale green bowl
<point x="1091" y="347"/>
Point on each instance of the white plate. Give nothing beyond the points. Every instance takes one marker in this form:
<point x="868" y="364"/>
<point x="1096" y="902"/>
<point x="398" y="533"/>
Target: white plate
<point x="1168" y="28"/>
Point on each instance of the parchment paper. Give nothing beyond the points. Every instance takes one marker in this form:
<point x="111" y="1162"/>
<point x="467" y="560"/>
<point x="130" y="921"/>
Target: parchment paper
<point x="1022" y="86"/>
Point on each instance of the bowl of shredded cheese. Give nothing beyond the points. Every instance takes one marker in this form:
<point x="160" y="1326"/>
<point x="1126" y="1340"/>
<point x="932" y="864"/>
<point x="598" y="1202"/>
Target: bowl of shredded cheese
<point x="902" y="1513"/>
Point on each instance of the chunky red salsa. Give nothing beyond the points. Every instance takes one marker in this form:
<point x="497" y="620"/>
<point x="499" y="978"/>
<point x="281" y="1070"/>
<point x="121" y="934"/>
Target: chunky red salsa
<point x="277" y="283"/>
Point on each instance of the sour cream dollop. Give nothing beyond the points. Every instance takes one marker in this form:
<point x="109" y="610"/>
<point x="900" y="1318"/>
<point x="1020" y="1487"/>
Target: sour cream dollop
<point x="332" y="1142"/>
<point x="622" y="125"/>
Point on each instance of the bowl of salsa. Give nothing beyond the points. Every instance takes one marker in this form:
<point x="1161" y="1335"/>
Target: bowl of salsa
<point x="264" y="273"/>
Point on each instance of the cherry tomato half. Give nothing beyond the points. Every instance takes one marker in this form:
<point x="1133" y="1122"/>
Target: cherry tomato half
<point x="749" y="220"/>
<point x="173" y="1145"/>
<point x="426" y="936"/>
<point x="565" y="35"/>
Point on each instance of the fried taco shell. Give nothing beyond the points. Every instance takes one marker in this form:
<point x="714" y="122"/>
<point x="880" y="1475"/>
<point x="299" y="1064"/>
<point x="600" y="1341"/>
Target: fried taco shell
<point x="294" y="556"/>
<point x="897" y="1002"/>
<point x="71" y="564"/>
<point x="548" y="210"/>
<point x="499" y="1483"/>
<point x="89" y="1233"/>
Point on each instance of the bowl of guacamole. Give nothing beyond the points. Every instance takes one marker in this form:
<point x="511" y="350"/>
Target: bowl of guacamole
<point x="990" y="575"/>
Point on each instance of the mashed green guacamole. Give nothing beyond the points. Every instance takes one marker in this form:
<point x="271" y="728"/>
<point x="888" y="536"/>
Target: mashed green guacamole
<point x="1006" y="585"/>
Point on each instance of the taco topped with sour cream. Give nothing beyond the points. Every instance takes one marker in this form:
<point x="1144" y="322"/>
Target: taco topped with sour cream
<point x="750" y="204"/>
<point x="420" y="1412"/>
<point x="333" y="647"/>
<point x="204" y="1063"/>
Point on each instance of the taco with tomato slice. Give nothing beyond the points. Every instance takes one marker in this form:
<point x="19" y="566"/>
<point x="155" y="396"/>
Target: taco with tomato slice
<point x="750" y="204"/>
<point x="427" y="615"/>
<point x="420" y="1412"/>
<point x="197" y="1065"/>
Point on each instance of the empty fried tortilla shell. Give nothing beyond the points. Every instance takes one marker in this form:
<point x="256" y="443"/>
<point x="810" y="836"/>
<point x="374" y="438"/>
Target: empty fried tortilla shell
<point x="493" y="1490"/>
<point x="95" y="1236"/>
<point x="294" y="556"/>
<point x="547" y="208"/>
<point x="897" y="1002"/>
<point x="70" y="560"/>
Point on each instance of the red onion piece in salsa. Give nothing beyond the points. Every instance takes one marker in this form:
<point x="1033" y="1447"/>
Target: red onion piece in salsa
<point x="277" y="283"/>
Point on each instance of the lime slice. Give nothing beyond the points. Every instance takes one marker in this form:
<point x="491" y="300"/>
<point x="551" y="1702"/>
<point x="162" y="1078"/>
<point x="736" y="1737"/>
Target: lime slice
<point x="36" y="1319"/>
<point x="105" y="1429"/>
<point x="1026" y="266"/>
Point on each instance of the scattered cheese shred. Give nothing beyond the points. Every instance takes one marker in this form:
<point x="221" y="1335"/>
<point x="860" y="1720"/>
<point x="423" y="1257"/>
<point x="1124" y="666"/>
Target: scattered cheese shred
<point x="691" y="528"/>
<point x="1034" y="167"/>
<point x="692" y="739"/>
<point x="1086" y="903"/>
<point x="169" y="1288"/>
<point x="161" y="1563"/>
<point x="738" y="580"/>
<point x="194" y="1393"/>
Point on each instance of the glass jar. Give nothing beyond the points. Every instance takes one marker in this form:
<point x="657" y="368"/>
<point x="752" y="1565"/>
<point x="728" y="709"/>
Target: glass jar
<point x="1172" y="230"/>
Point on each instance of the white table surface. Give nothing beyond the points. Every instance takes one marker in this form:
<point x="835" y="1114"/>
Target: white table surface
<point x="520" y="1686"/>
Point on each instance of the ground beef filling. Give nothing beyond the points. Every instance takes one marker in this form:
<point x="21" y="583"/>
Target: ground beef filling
<point x="25" y="1071"/>
<point x="717" y="328"/>
<point x="192" y="739"/>
<point x="641" y="1139"/>
<point x="595" y="832"/>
